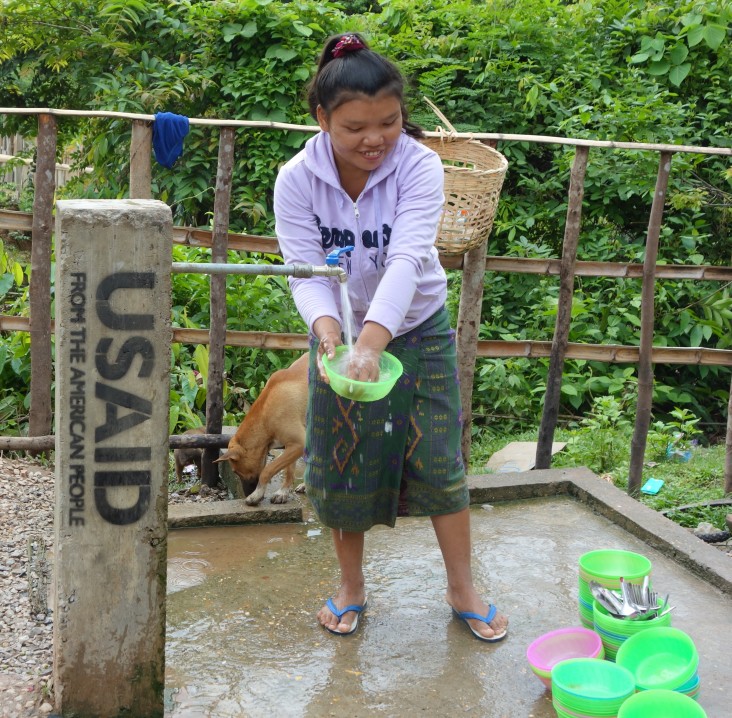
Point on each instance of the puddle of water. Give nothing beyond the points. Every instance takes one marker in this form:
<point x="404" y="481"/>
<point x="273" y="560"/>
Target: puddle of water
<point x="230" y="647"/>
<point x="244" y="641"/>
<point x="195" y="554"/>
<point x="186" y="571"/>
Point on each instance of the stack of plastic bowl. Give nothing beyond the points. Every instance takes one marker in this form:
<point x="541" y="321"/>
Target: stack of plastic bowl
<point x="662" y="658"/>
<point x="561" y="645"/>
<point x="660" y="703"/>
<point x="590" y="688"/>
<point x="615" y="631"/>
<point x="607" y="567"/>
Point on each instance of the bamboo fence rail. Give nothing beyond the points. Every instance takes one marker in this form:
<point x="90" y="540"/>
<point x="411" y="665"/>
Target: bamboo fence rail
<point x="474" y="264"/>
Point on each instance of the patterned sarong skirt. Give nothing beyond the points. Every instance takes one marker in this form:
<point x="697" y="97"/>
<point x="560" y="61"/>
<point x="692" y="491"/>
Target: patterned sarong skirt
<point x="369" y="462"/>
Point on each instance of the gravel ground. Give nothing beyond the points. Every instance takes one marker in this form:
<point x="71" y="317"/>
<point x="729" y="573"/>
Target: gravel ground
<point x="26" y="621"/>
<point x="26" y="508"/>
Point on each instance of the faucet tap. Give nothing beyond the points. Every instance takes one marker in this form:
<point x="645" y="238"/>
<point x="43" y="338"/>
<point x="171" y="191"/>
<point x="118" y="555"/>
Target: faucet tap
<point x="332" y="259"/>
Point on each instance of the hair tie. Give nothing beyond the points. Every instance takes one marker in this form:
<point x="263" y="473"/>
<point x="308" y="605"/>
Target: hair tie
<point x="348" y="43"/>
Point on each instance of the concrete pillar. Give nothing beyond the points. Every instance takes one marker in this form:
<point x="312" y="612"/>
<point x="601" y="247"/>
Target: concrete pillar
<point x="113" y="335"/>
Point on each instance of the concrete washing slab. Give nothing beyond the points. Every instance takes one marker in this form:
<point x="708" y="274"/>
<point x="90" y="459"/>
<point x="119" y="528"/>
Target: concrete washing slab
<point x="242" y="638"/>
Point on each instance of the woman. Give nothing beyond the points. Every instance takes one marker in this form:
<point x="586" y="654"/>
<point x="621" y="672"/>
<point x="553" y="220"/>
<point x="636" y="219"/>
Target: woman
<point x="366" y="181"/>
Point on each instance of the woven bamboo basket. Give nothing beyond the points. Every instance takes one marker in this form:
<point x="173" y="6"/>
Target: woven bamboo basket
<point x="474" y="175"/>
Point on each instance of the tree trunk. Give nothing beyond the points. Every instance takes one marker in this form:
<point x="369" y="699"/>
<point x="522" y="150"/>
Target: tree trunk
<point x="40" y="281"/>
<point x="553" y="395"/>
<point x="645" y="365"/>
<point x="466" y="338"/>
<point x="215" y="380"/>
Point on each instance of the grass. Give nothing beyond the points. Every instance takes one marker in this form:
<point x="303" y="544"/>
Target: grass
<point x="607" y="453"/>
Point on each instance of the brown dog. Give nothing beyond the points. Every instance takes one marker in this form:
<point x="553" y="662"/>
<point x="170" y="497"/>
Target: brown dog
<point x="276" y="417"/>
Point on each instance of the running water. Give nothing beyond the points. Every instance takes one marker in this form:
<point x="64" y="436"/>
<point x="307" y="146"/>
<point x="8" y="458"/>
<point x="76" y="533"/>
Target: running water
<point x="347" y="316"/>
<point x="348" y="324"/>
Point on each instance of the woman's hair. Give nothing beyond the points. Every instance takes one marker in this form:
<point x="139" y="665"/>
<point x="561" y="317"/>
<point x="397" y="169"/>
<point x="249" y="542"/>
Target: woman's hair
<point x="347" y="68"/>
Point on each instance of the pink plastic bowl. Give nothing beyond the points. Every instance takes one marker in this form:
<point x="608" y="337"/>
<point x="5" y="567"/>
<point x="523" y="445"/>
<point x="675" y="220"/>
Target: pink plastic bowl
<point x="551" y="648"/>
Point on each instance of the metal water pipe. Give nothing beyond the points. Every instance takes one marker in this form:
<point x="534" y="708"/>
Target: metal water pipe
<point x="301" y="271"/>
<point x="290" y="270"/>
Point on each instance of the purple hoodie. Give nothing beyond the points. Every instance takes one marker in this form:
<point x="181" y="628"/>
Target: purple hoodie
<point x="394" y="273"/>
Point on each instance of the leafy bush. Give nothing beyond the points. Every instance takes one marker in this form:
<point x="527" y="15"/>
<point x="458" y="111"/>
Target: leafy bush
<point x="254" y="303"/>
<point x="14" y="346"/>
<point x="621" y="70"/>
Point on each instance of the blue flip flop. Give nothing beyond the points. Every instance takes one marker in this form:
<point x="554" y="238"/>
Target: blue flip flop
<point x="339" y="614"/>
<point x="492" y="610"/>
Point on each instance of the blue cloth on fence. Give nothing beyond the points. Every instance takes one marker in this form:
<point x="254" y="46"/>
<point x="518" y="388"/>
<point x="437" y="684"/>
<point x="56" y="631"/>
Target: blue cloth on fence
<point x="168" y="133"/>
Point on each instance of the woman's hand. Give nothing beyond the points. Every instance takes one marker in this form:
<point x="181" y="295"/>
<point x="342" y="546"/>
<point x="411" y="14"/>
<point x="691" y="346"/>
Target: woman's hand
<point x="366" y="354"/>
<point x="328" y="331"/>
<point x="328" y="343"/>
<point x="363" y="363"/>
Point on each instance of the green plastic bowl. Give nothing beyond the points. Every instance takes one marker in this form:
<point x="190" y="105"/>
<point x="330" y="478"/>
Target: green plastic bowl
<point x="390" y="369"/>
<point x="591" y="686"/>
<point x="607" y="566"/>
<point x="660" y="703"/>
<point x="624" y="627"/>
<point x="663" y="657"/>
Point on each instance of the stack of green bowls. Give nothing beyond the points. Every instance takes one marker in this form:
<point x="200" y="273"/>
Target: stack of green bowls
<point x="662" y="658"/>
<point x="590" y="688"/>
<point x="607" y="567"/>
<point x="660" y="703"/>
<point x="615" y="631"/>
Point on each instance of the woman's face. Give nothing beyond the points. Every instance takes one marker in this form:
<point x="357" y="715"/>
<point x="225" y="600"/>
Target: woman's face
<point x="362" y="131"/>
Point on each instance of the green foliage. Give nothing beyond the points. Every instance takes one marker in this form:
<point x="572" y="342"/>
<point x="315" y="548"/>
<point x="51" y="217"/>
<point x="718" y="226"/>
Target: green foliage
<point x="244" y="60"/>
<point x="504" y="67"/>
<point x="675" y="437"/>
<point x="603" y="438"/>
<point x="674" y="51"/>
<point x="14" y="346"/>
<point x="696" y="481"/>
<point x="620" y="70"/>
<point x="13" y="280"/>
<point x="254" y="303"/>
<point x="14" y="382"/>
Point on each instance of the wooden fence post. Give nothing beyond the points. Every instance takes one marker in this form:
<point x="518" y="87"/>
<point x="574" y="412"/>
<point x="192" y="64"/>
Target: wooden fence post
<point x="141" y="160"/>
<point x="217" y="331"/>
<point x="645" y="366"/>
<point x="552" y="398"/>
<point x="467" y="332"/>
<point x="466" y="339"/>
<point x="40" y="281"/>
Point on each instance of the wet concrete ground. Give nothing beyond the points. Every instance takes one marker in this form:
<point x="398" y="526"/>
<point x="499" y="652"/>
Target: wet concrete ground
<point x="243" y="639"/>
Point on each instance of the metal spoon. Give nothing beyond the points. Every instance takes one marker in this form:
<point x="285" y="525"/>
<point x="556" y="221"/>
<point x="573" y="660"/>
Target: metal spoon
<point x="629" y="609"/>
<point x="605" y="597"/>
<point x="608" y="598"/>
